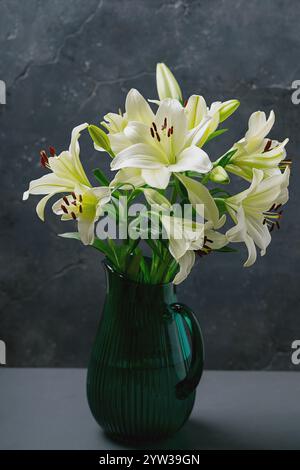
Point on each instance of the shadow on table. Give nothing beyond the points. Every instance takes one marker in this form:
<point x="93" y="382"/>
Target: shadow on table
<point x="195" y="435"/>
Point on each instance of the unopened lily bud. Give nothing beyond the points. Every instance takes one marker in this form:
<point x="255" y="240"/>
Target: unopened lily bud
<point x="167" y="85"/>
<point x="100" y="138"/>
<point x="228" y="108"/>
<point x="219" y="175"/>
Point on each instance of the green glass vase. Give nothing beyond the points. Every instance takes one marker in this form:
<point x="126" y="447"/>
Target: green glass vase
<point x="146" y="361"/>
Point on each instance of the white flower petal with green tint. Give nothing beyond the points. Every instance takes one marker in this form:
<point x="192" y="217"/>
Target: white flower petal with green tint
<point x="153" y="197"/>
<point x="48" y="184"/>
<point x="74" y="151"/>
<point x="138" y="156"/>
<point x="199" y="194"/>
<point x="40" y="208"/>
<point x="118" y="142"/>
<point x="167" y="85"/>
<point x="172" y="113"/>
<point x="196" y="110"/>
<point x="128" y="177"/>
<point x="159" y="178"/>
<point x="192" y="159"/>
<point x="186" y="263"/>
<point x="137" y="108"/>
<point x="238" y="234"/>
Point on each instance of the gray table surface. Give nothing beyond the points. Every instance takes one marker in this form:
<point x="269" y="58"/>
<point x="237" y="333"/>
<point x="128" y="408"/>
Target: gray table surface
<point x="47" y="409"/>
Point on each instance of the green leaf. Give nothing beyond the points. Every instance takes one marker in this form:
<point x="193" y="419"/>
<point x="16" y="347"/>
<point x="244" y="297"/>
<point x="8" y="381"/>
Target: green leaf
<point x="221" y="206"/>
<point x="219" y="191"/>
<point x="100" y="176"/>
<point x="98" y="244"/>
<point x="101" y="245"/>
<point x="215" y="134"/>
<point x="225" y="159"/>
<point x="134" y="265"/>
<point x="226" y="249"/>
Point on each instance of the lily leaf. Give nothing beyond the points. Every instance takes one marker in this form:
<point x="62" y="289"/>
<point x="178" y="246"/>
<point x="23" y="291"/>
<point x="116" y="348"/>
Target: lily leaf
<point x="100" y="176"/>
<point x="220" y="192"/>
<point x="226" y="249"/>
<point x="215" y="134"/>
<point x="225" y="159"/>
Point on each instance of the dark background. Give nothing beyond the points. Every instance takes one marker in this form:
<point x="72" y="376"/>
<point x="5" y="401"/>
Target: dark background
<point x="70" y="61"/>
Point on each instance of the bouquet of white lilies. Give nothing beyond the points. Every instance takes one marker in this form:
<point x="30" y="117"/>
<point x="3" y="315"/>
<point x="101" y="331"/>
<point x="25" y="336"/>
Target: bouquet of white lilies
<point x="158" y="157"/>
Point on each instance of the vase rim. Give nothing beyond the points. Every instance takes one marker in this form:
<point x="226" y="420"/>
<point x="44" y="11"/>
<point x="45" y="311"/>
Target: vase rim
<point x="123" y="276"/>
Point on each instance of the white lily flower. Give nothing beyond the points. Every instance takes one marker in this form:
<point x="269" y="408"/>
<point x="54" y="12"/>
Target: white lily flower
<point x="84" y="205"/>
<point x="163" y="147"/>
<point x="67" y="173"/>
<point x="199" y="194"/>
<point x="256" y="211"/>
<point x="136" y="109"/>
<point x="255" y="150"/>
<point x="185" y="236"/>
<point x="167" y="85"/>
<point x="197" y="111"/>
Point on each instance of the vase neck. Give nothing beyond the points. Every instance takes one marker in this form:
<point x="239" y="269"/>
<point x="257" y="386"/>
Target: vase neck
<point x="137" y="298"/>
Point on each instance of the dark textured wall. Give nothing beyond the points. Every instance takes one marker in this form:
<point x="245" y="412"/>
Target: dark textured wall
<point x="70" y="61"/>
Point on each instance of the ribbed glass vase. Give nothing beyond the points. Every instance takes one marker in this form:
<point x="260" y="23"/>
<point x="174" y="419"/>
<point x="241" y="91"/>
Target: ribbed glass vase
<point x="146" y="361"/>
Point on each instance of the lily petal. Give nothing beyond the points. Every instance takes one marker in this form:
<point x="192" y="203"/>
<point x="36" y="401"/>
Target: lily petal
<point x="186" y="263"/>
<point x="40" y="208"/>
<point x="192" y="159"/>
<point x="48" y="184"/>
<point x="199" y="194"/>
<point x="157" y="178"/>
<point x="128" y="176"/>
<point x="137" y="108"/>
<point x="86" y="230"/>
<point x="138" y="156"/>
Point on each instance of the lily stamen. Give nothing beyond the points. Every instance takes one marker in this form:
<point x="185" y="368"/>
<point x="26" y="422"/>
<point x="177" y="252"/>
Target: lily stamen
<point x="52" y="151"/>
<point x="272" y="217"/>
<point x="205" y="250"/>
<point x="164" y="126"/>
<point x="44" y="159"/>
<point x="285" y="163"/>
<point x="268" y="146"/>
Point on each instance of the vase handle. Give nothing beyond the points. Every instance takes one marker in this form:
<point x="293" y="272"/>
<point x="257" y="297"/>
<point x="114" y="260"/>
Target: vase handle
<point x="190" y="382"/>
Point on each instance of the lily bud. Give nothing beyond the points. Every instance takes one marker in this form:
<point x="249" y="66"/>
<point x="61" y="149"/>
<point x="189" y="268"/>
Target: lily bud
<point x="228" y="108"/>
<point x="167" y="85"/>
<point x="100" y="138"/>
<point x="219" y="175"/>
